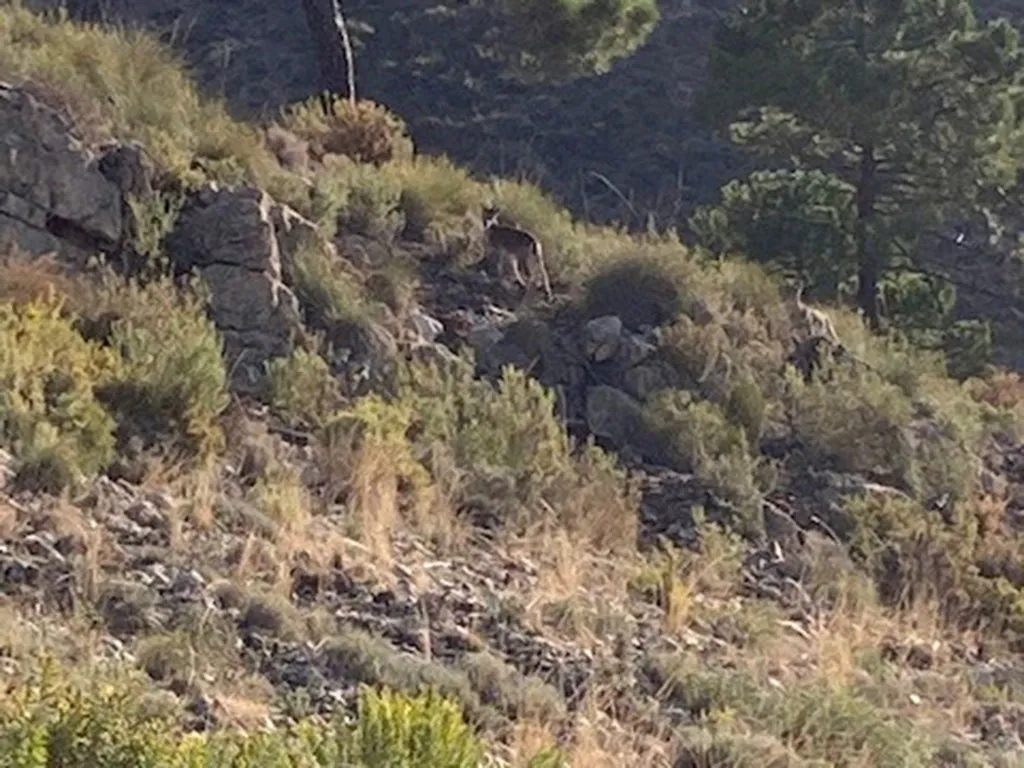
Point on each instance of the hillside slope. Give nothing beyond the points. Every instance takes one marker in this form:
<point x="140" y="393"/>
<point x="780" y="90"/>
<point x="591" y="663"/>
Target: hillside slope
<point x="636" y="525"/>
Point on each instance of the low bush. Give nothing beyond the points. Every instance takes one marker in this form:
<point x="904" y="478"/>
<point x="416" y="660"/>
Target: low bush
<point x="504" y="437"/>
<point x="330" y="292"/>
<point x="639" y="291"/>
<point x="817" y="721"/>
<point x="859" y="421"/>
<point x="441" y="203"/>
<point x="353" y="198"/>
<point x="697" y="436"/>
<point x="172" y="384"/>
<point x="303" y="390"/>
<point x="365" y="132"/>
<point x="51" y="721"/>
<point x="49" y="411"/>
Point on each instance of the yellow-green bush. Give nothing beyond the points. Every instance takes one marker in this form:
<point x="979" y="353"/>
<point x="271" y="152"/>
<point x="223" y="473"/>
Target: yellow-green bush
<point x="303" y="389"/>
<point x="49" y="722"/>
<point x="511" y="450"/>
<point x="509" y="429"/>
<point x="395" y="731"/>
<point x="697" y="436"/>
<point x="173" y="381"/>
<point x="859" y="421"/>
<point x="442" y="204"/>
<point x="330" y="292"/>
<point x="357" y="198"/>
<point x="364" y="131"/>
<point x="49" y="413"/>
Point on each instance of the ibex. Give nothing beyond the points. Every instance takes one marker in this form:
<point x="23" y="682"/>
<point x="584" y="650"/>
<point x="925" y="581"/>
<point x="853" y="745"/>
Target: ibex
<point x="815" y="322"/>
<point x="516" y="250"/>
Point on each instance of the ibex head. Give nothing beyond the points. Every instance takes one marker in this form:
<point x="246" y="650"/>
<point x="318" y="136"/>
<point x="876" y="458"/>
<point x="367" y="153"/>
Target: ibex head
<point x="491" y="214"/>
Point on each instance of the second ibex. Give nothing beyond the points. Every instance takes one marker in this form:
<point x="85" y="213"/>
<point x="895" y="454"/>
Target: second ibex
<point x="516" y="250"/>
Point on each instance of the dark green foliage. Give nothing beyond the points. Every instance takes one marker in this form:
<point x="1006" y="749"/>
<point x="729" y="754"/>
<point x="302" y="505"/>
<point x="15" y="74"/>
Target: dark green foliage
<point x="910" y="102"/>
<point x="563" y="39"/>
<point x="639" y="292"/>
<point x="800" y="220"/>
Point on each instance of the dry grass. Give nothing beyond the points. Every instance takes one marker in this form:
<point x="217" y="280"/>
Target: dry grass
<point x="25" y="278"/>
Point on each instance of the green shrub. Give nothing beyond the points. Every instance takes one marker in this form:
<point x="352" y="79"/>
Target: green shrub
<point x="49" y="413"/>
<point x="516" y="695"/>
<point x="511" y="450"/>
<point x="509" y="428"/>
<point x="442" y="204"/>
<point x="173" y="381"/>
<point x="859" y="421"/>
<point x="696" y="436"/>
<point x="817" y="721"/>
<point x="351" y="197"/>
<point x="329" y="291"/>
<point x="640" y="291"/>
<point x="697" y="747"/>
<point x="395" y="731"/>
<point x="154" y="217"/>
<point x="365" y="132"/>
<point x="372" y="661"/>
<point x="303" y="389"/>
<point x="968" y="347"/>
<point x="50" y="722"/>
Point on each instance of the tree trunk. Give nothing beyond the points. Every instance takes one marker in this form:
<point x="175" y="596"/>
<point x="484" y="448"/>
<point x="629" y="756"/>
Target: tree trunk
<point x="333" y="47"/>
<point x="869" y="267"/>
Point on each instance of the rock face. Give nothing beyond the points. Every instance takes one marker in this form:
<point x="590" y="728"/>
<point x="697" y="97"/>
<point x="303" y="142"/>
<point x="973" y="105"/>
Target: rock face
<point x="229" y="237"/>
<point x="54" y="195"/>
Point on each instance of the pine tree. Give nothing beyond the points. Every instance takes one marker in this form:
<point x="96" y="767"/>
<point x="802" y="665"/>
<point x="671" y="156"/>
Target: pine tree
<point x="912" y="102"/>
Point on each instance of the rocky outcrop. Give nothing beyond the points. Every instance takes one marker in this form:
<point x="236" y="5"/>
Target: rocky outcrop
<point x="234" y="239"/>
<point x="54" y="195"/>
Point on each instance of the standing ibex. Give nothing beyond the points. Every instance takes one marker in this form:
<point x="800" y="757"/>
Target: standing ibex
<point x="814" y="322"/>
<point x="516" y="250"/>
